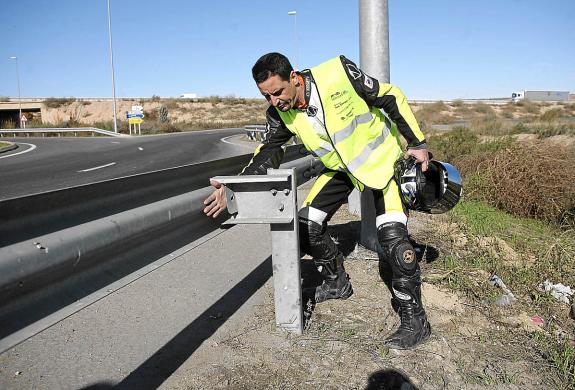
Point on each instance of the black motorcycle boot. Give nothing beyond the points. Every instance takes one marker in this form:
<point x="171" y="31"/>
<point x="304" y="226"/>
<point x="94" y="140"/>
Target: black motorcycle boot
<point x="336" y="283"/>
<point x="414" y="328"/>
<point x="385" y="272"/>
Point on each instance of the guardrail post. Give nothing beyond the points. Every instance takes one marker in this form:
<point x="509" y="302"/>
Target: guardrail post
<point x="272" y="199"/>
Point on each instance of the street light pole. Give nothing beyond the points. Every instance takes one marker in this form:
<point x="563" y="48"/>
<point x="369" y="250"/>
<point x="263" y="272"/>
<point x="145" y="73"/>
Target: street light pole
<point x="294" y="14"/>
<point x="112" y="66"/>
<point x="374" y="38"/>
<point x="19" y="95"/>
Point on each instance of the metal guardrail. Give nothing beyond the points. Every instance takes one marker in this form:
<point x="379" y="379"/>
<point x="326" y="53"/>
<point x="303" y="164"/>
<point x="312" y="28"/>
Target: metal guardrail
<point x="256" y="132"/>
<point x="59" y="131"/>
<point x="272" y="199"/>
<point x="59" y="246"/>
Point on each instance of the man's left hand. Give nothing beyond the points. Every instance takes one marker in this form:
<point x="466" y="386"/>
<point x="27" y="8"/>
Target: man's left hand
<point x="420" y="155"/>
<point x="216" y="202"/>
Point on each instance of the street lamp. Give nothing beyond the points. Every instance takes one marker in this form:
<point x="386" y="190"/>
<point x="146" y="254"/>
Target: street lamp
<point x="19" y="95"/>
<point x="294" y="14"/>
<point x="112" y="66"/>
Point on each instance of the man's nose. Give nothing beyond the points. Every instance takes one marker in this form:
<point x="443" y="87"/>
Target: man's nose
<point x="274" y="100"/>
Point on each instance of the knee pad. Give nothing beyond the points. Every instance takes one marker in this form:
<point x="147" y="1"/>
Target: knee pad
<point x="315" y="241"/>
<point x="397" y="248"/>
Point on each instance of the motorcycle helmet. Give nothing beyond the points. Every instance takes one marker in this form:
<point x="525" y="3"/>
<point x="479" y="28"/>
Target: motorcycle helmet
<point x="434" y="191"/>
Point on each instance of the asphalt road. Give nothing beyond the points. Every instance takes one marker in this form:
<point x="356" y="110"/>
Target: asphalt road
<point x="141" y="330"/>
<point x="44" y="164"/>
<point x="137" y="337"/>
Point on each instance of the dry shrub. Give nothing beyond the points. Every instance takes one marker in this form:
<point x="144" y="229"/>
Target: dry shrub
<point x="171" y="104"/>
<point x="508" y="110"/>
<point x="53" y="102"/>
<point x="553" y="114"/>
<point x="484" y="109"/>
<point x="525" y="179"/>
<point x="433" y="114"/>
<point x="529" y="106"/>
<point x="489" y="126"/>
<point x="463" y="111"/>
<point x="528" y="179"/>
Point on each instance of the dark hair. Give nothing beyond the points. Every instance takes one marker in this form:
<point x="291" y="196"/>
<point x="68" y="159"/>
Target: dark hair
<point x="271" y="64"/>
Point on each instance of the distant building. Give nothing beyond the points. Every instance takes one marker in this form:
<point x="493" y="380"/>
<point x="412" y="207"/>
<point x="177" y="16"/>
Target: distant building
<point x="189" y="96"/>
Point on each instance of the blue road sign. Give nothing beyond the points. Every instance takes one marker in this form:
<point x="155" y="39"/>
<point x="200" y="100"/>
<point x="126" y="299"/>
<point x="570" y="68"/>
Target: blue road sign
<point x="138" y="115"/>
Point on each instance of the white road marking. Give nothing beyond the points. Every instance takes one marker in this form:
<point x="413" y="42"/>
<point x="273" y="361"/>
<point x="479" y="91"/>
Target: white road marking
<point x="32" y="147"/>
<point x="100" y="167"/>
<point x="225" y="139"/>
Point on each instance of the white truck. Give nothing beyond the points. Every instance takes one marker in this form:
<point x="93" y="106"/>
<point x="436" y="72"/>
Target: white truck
<point x="542" y="96"/>
<point x="188" y="96"/>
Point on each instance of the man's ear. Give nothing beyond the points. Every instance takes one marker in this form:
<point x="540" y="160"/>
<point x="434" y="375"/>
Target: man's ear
<point x="293" y="78"/>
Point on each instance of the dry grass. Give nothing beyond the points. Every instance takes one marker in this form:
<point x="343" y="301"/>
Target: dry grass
<point x="530" y="180"/>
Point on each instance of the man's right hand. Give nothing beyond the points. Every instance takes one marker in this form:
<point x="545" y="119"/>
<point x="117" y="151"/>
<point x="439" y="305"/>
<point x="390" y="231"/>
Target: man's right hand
<point x="216" y="202"/>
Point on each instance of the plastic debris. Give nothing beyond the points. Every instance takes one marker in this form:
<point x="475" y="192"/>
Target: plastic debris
<point x="537" y="320"/>
<point x="559" y="291"/>
<point x="507" y="298"/>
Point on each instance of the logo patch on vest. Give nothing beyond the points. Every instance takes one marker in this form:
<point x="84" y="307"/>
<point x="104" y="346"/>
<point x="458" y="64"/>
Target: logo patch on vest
<point x="368" y="81"/>
<point x="353" y="71"/>
<point x="311" y="111"/>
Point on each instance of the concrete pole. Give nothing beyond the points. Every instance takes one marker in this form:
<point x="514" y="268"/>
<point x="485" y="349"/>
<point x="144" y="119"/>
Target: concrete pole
<point x="374" y="60"/>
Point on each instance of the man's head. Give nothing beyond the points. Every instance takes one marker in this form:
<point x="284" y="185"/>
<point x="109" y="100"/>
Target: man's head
<point x="276" y="80"/>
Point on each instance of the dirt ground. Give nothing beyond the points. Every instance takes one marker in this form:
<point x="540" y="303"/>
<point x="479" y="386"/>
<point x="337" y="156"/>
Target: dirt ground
<point x="473" y="345"/>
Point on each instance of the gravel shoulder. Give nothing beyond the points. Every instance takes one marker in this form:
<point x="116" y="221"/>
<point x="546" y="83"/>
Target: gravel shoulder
<point x="473" y="345"/>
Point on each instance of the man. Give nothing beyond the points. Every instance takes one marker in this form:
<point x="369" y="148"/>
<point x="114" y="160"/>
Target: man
<point x="334" y="109"/>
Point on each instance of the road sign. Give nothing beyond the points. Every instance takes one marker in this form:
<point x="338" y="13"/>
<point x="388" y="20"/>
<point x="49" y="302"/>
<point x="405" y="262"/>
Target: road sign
<point x="138" y="108"/>
<point x="135" y="115"/>
<point x="135" y="121"/>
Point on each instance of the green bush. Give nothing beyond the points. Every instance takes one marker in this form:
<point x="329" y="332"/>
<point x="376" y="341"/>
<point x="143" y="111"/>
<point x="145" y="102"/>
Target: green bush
<point x="163" y="114"/>
<point x="459" y="141"/>
<point x="545" y="130"/>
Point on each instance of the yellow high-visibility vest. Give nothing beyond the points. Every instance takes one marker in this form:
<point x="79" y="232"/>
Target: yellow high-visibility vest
<point x="357" y="139"/>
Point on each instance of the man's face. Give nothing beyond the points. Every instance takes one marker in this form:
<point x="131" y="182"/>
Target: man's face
<point x="280" y="93"/>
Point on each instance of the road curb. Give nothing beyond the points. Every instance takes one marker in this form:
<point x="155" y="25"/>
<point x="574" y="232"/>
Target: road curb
<point x="8" y="148"/>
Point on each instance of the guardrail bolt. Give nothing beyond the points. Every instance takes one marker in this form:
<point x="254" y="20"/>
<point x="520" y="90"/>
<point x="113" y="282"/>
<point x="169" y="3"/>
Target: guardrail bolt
<point x="281" y="208"/>
<point x="286" y="191"/>
<point x="274" y="191"/>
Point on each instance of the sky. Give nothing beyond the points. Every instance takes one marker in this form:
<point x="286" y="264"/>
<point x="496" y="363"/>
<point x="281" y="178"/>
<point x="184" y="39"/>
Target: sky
<point x="442" y="49"/>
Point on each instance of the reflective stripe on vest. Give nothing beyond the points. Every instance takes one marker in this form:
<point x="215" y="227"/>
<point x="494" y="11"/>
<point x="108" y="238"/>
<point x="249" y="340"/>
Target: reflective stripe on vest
<point x="357" y="162"/>
<point x="348" y="131"/>
<point x="324" y="149"/>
